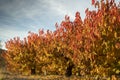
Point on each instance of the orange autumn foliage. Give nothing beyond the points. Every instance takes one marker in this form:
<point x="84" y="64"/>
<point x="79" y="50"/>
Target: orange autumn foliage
<point x="91" y="45"/>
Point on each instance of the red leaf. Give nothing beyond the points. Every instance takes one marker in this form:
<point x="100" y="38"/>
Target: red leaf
<point x="93" y="2"/>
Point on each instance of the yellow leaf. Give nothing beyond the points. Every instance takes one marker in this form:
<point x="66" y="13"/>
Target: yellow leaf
<point x="114" y="69"/>
<point x="46" y="53"/>
<point x="110" y="29"/>
<point x="115" y="34"/>
<point x="108" y="78"/>
<point x="59" y="69"/>
<point x="105" y="24"/>
<point x="118" y="62"/>
<point x="58" y="48"/>
<point x="77" y="73"/>
<point x="117" y="71"/>
<point x="104" y="32"/>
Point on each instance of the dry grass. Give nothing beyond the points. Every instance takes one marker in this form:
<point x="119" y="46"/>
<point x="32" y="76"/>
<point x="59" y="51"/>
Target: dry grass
<point x="4" y="75"/>
<point x="48" y="77"/>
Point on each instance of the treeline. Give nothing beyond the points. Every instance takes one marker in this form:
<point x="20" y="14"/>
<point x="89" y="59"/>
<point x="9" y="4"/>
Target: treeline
<point x="88" y="47"/>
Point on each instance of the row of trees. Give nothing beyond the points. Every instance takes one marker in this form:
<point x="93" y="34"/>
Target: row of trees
<point x="84" y="47"/>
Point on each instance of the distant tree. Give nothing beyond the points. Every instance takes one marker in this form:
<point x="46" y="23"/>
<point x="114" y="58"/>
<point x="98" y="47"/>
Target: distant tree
<point x="0" y="44"/>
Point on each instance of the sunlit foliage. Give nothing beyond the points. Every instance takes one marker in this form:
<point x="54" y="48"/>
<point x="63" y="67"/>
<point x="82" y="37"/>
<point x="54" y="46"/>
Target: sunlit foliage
<point x="92" y="46"/>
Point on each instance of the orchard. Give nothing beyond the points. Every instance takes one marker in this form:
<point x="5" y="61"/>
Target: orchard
<point x="80" y="47"/>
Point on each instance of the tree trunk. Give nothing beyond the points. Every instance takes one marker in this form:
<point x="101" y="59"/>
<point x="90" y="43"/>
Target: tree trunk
<point x="69" y="70"/>
<point x="33" y="70"/>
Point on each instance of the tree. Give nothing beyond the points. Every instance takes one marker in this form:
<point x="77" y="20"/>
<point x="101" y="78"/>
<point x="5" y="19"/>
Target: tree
<point x="0" y="44"/>
<point x="89" y="47"/>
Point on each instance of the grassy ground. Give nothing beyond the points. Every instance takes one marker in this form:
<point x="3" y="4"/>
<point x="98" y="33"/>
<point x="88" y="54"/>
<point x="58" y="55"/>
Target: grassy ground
<point x="4" y="75"/>
<point x="48" y="77"/>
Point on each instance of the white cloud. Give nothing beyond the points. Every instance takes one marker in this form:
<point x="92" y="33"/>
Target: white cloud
<point x="61" y="9"/>
<point x="7" y="33"/>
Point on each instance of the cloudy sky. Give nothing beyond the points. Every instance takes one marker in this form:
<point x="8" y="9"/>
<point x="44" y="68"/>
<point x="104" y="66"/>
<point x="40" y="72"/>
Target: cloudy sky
<point x="17" y="17"/>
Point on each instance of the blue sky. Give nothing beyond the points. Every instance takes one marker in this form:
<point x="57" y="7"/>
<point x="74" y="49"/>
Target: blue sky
<point x="17" y="17"/>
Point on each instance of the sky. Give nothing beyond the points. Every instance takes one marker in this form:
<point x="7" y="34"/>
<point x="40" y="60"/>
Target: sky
<point x="17" y="17"/>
